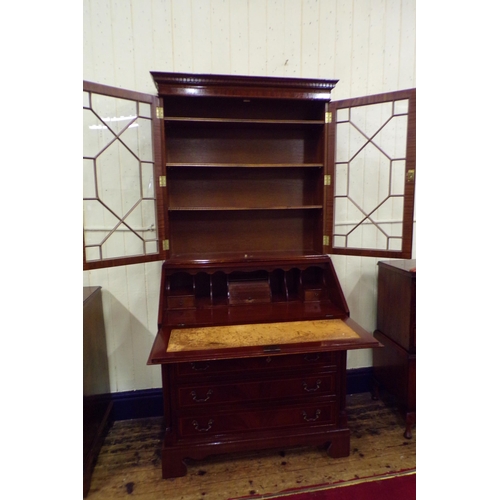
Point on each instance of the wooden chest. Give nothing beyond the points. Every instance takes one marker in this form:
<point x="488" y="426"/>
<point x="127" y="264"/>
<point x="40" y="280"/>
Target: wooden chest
<point x="395" y="364"/>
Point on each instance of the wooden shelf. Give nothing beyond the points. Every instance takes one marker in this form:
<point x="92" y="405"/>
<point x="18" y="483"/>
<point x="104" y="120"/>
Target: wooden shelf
<point x="239" y="121"/>
<point x="225" y="209"/>
<point x="243" y="165"/>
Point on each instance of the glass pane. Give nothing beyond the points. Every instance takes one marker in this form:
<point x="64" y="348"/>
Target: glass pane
<point x="342" y="115"/>
<point x="398" y="175"/>
<point x="389" y="216"/>
<point x="138" y="138"/>
<point x="98" y="222"/>
<point x="148" y="181"/>
<point x="370" y="118"/>
<point x="92" y="254"/>
<point x="118" y="177"/>
<point x="122" y="243"/>
<point x="395" y="244"/>
<point x="340" y="241"/>
<point x="367" y="236"/>
<point x="349" y="142"/>
<point x="144" y="110"/>
<point x="143" y="219"/>
<point x="116" y="113"/>
<point x="369" y="175"/>
<point x="340" y="184"/>
<point x="151" y="247"/>
<point x="96" y="135"/>
<point x="401" y="107"/>
<point x="392" y="138"/>
<point x="89" y="190"/>
<point x="347" y="215"/>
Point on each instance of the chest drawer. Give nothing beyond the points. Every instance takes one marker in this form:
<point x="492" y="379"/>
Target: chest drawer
<point x="306" y="415"/>
<point x="314" y="360"/>
<point x="256" y="390"/>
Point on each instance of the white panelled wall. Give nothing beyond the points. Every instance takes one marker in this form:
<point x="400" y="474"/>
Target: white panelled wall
<point x="369" y="45"/>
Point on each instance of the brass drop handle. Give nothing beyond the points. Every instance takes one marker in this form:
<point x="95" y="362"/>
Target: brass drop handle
<point x="201" y="429"/>
<point x="199" y="368"/>
<point x="310" y="357"/>
<point x="316" y="416"/>
<point x="313" y="389"/>
<point x="200" y="400"/>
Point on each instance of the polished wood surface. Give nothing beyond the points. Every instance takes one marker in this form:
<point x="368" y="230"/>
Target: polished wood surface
<point x="96" y="391"/>
<point x="245" y="172"/>
<point x="236" y="377"/>
<point x="396" y="306"/>
<point x="129" y="464"/>
<point x="245" y="164"/>
<point x="302" y="289"/>
<point x="395" y="364"/>
<point x="206" y="85"/>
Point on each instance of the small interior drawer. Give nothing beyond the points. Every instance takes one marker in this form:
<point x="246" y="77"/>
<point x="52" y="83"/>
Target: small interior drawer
<point x="181" y="301"/>
<point x="249" y="292"/>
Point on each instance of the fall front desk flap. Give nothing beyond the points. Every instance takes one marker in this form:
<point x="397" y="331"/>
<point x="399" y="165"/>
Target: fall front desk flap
<point x="229" y="341"/>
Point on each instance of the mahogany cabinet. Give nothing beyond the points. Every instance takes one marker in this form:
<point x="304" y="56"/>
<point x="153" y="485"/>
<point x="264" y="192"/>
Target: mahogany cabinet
<point x="253" y="325"/>
<point x="394" y="365"/>
<point x="96" y="392"/>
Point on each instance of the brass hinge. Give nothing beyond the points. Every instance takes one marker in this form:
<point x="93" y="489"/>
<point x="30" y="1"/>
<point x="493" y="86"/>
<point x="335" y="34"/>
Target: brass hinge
<point x="166" y="245"/>
<point x="410" y="176"/>
<point x="159" y="112"/>
<point x="328" y="180"/>
<point x="326" y="240"/>
<point x="163" y="181"/>
<point x="328" y="117"/>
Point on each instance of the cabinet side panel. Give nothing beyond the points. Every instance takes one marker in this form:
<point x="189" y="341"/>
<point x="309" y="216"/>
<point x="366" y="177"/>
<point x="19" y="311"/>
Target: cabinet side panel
<point x="394" y="306"/>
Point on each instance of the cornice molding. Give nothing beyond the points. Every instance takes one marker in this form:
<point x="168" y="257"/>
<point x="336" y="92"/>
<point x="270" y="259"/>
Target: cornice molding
<point x="213" y="83"/>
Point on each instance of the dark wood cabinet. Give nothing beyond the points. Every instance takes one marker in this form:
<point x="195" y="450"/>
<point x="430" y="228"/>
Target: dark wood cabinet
<point x="96" y="392"/>
<point x="395" y="364"/>
<point x="245" y="165"/>
<point x="253" y="324"/>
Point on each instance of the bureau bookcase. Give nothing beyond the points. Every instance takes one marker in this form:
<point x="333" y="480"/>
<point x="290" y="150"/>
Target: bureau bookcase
<point x="253" y="325"/>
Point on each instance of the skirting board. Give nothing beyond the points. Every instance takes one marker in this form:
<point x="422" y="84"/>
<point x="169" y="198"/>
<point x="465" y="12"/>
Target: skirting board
<point x="149" y="402"/>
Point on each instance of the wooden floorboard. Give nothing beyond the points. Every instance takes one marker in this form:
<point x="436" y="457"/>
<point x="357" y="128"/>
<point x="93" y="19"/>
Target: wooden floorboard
<point x="129" y="463"/>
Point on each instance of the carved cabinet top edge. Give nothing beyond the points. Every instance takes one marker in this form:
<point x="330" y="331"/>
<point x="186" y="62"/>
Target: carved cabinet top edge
<point x="211" y="83"/>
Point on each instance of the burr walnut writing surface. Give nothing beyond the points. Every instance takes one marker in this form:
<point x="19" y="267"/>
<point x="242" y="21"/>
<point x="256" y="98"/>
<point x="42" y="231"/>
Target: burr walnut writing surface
<point x="216" y="337"/>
